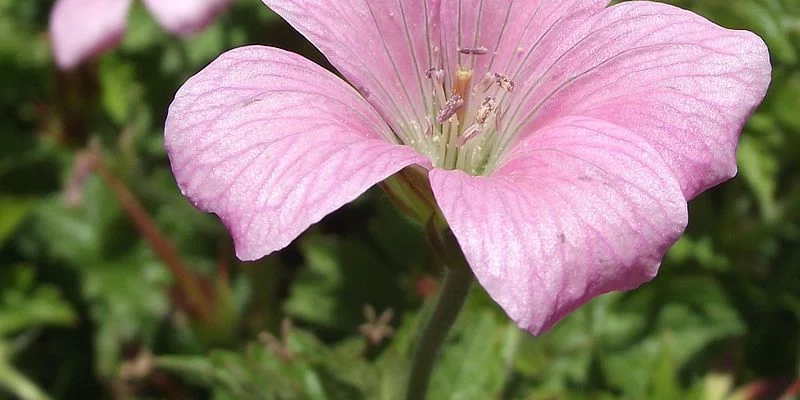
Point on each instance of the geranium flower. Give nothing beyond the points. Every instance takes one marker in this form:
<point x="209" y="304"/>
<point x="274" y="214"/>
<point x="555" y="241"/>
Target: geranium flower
<point x="81" y="29"/>
<point x="562" y="139"/>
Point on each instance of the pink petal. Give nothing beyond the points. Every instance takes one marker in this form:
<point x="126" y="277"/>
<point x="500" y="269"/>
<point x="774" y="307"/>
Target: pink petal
<point x="81" y="29"/>
<point x="668" y="75"/>
<point x="580" y="208"/>
<point x="382" y="47"/>
<point x="272" y="143"/>
<point x="185" y="17"/>
<point x="510" y="30"/>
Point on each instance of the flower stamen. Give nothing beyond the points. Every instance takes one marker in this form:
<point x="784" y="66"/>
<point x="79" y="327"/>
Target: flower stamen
<point x="504" y="82"/>
<point x="453" y="104"/>
<point x="478" y="51"/>
<point x="486" y="107"/>
<point x="465" y="118"/>
<point x="482" y="114"/>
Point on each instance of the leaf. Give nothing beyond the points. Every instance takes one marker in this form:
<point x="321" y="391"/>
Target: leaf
<point x="339" y="278"/>
<point x="786" y="100"/>
<point x="691" y="312"/>
<point x="472" y="364"/>
<point x="342" y="274"/>
<point x="262" y="373"/>
<point x="128" y="300"/>
<point x="12" y="212"/>
<point x="80" y="237"/>
<point x="699" y="250"/>
<point x="119" y="90"/>
<point x="665" y="382"/>
<point x="123" y="282"/>
<point x="18" y="384"/>
<point x="25" y="305"/>
<point x="759" y="168"/>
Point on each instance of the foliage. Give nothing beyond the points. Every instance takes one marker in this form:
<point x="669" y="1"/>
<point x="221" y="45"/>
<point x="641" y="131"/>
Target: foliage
<point x="94" y="305"/>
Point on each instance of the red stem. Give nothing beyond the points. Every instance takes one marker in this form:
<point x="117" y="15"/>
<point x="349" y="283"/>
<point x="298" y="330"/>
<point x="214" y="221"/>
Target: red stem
<point x="159" y="243"/>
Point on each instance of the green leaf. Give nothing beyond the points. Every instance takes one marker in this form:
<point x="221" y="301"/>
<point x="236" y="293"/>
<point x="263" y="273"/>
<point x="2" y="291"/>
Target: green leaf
<point x="687" y="313"/>
<point x="25" y="305"/>
<point x="665" y="382"/>
<point x="119" y="89"/>
<point x="15" y="382"/>
<point x="759" y="168"/>
<point x="474" y="362"/>
<point x="786" y="100"/>
<point x="128" y="298"/>
<point x="301" y="369"/>
<point x="12" y="212"/>
<point x="124" y="283"/>
<point x="343" y="274"/>
<point x="80" y="237"/>
<point x="339" y="279"/>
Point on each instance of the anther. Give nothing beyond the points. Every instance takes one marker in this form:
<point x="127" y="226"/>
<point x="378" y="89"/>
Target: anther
<point x="504" y="82"/>
<point x="484" y="110"/>
<point x="478" y="51"/>
<point x="450" y="108"/>
<point x="435" y="74"/>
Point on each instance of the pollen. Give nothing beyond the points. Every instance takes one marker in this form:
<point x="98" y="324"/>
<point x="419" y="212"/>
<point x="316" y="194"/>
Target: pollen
<point x="504" y="82"/>
<point x="486" y="108"/>
<point x="450" y="108"/>
<point x="463" y="125"/>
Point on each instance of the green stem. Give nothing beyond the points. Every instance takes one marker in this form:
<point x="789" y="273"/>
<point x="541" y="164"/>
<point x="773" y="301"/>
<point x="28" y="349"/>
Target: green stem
<point x="452" y="296"/>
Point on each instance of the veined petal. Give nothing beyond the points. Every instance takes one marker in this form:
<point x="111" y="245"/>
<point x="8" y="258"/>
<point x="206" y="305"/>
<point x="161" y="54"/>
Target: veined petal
<point x="272" y="143"/>
<point x="580" y="208"/>
<point x="80" y="29"/>
<point x="668" y="75"/>
<point x="382" y="47"/>
<point x="185" y="17"/>
<point x="511" y="31"/>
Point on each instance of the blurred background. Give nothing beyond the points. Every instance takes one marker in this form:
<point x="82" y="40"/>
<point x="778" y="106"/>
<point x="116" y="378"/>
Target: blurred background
<point x="113" y="287"/>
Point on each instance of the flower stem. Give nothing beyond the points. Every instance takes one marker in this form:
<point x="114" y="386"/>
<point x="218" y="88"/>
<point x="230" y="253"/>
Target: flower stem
<point x="452" y="296"/>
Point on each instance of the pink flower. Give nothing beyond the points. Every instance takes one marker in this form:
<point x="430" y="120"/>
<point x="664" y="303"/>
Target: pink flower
<point x="81" y="29"/>
<point x="562" y="138"/>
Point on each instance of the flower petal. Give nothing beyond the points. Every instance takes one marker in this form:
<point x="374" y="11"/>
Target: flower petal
<point x="676" y="79"/>
<point x="185" y="17"/>
<point x="580" y="208"/>
<point x="81" y="29"/>
<point x="511" y="30"/>
<point x="272" y="143"/>
<point x="382" y="47"/>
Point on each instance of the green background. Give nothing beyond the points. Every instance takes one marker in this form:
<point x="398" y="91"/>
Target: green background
<point x="91" y="308"/>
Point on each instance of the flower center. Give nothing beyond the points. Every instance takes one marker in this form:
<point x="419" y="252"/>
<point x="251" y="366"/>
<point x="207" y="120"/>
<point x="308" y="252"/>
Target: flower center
<point x="464" y="123"/>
